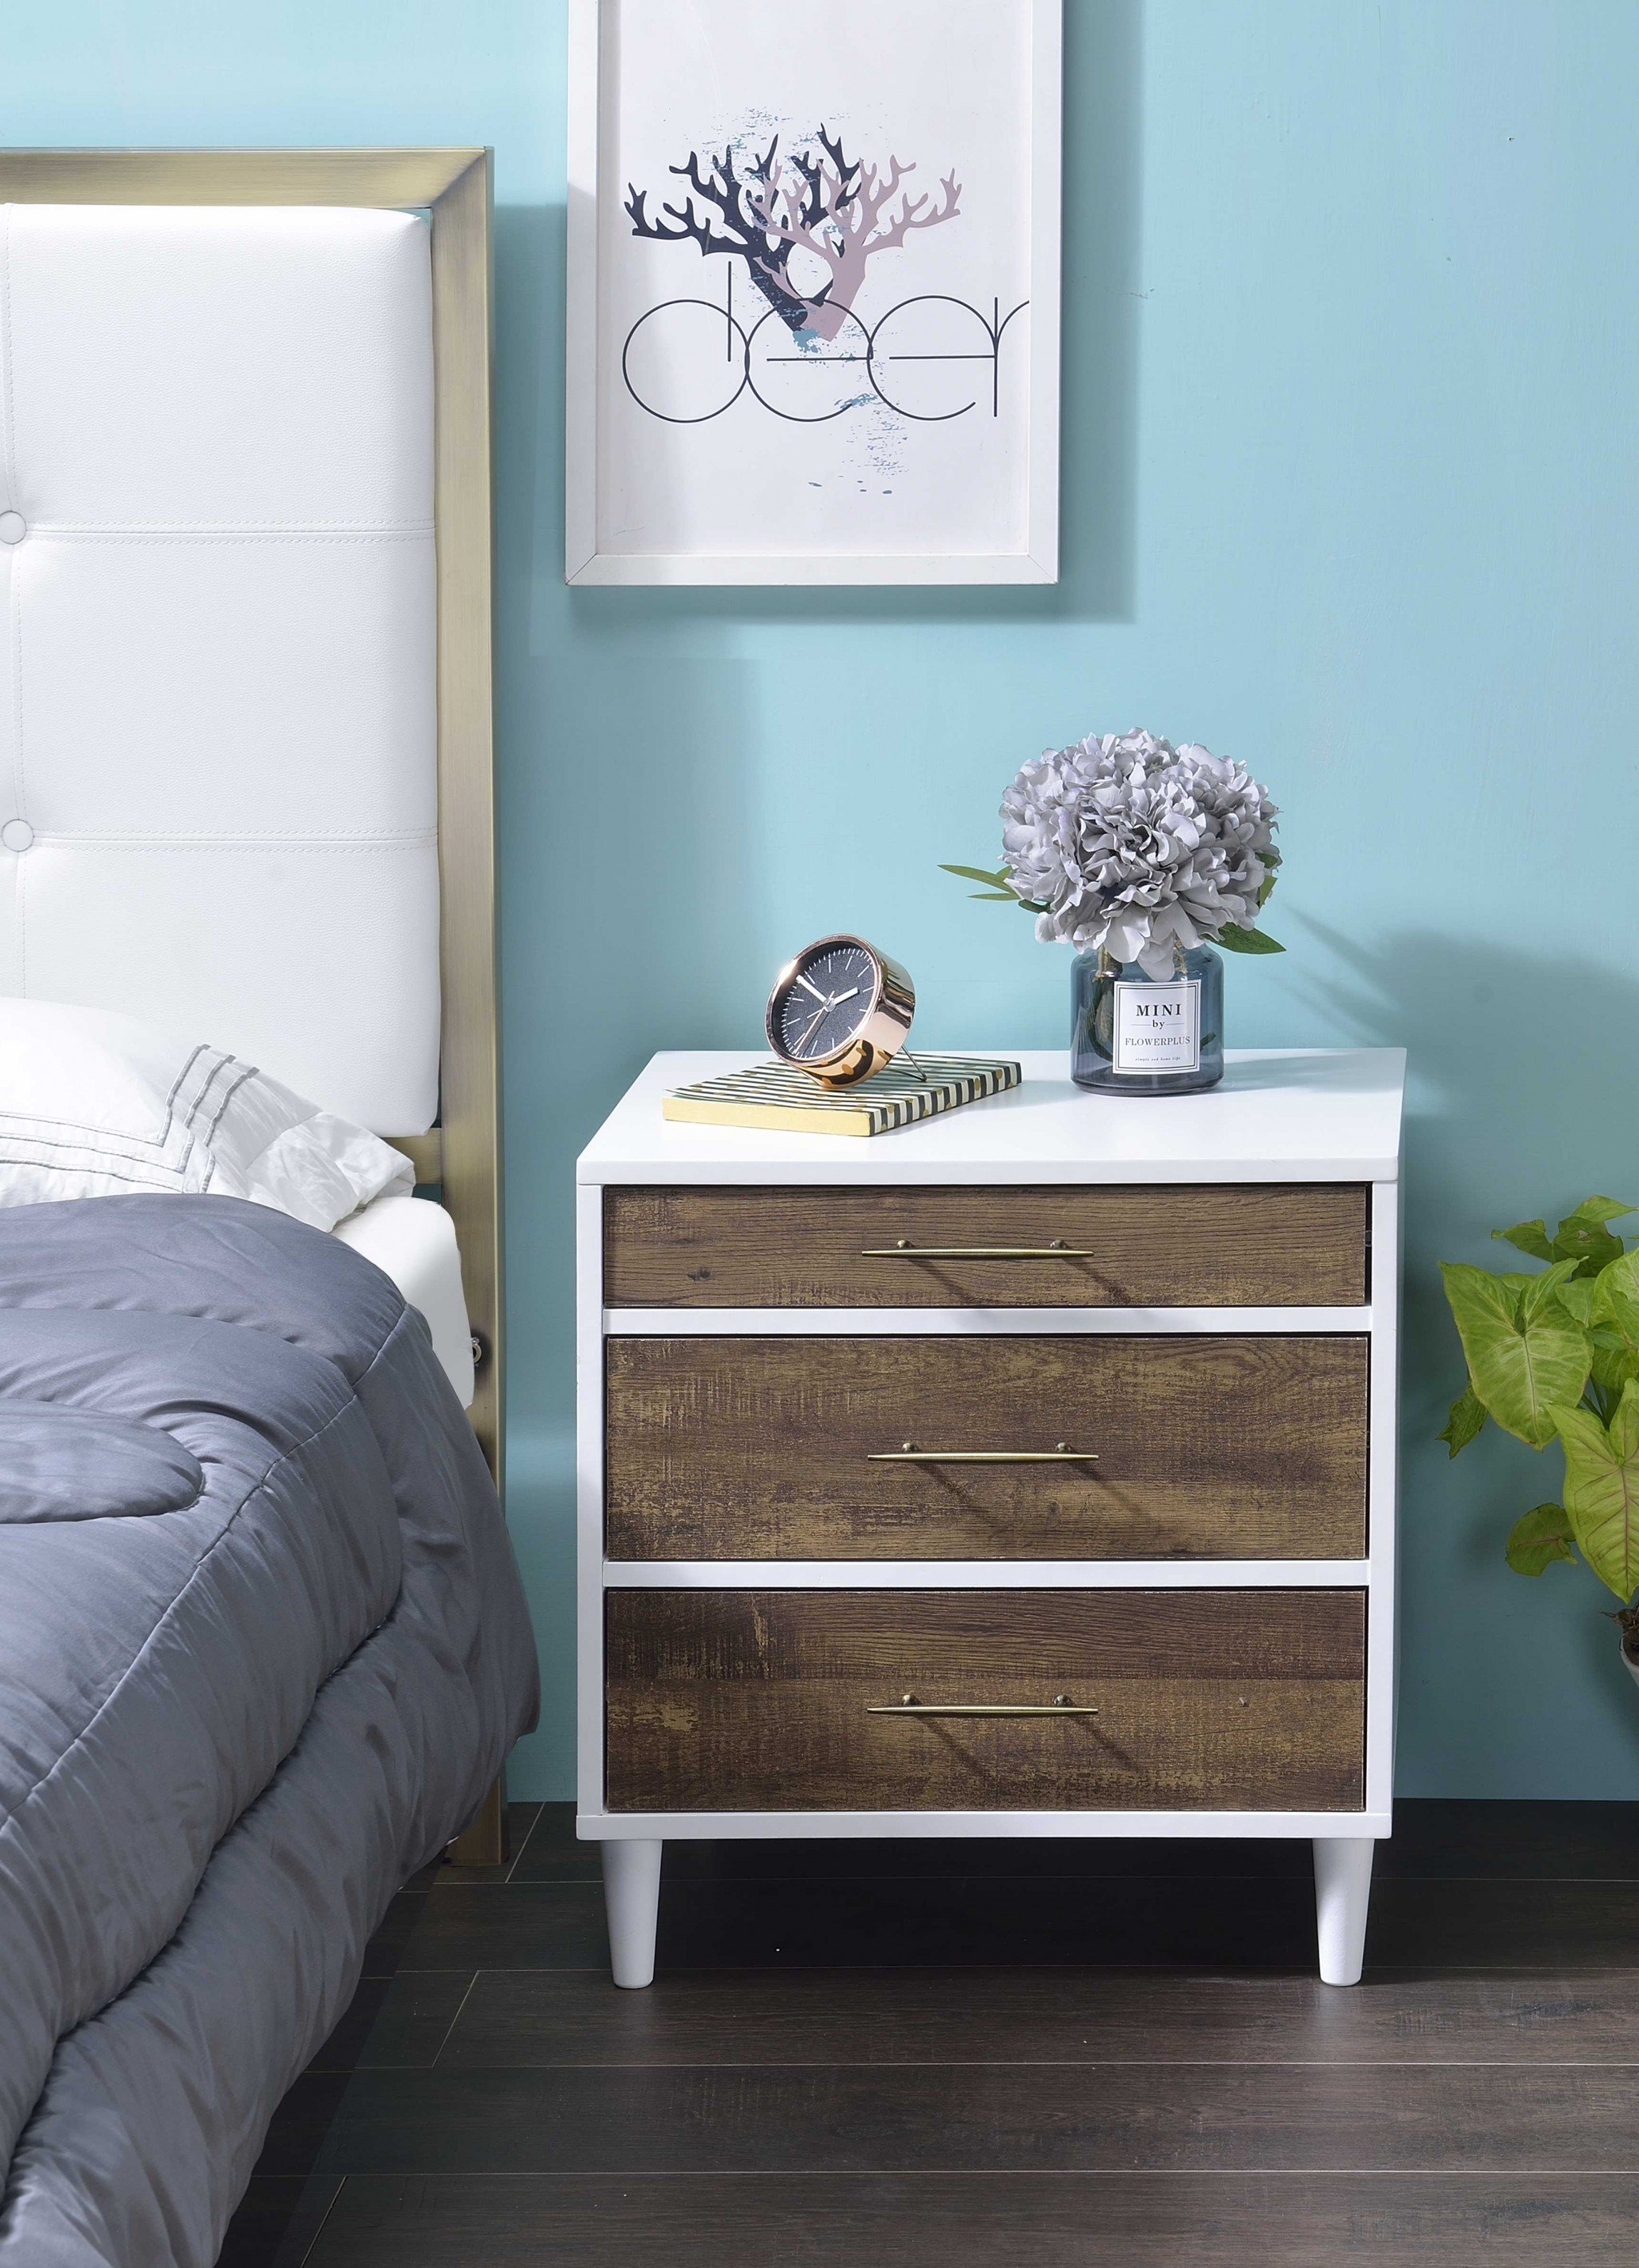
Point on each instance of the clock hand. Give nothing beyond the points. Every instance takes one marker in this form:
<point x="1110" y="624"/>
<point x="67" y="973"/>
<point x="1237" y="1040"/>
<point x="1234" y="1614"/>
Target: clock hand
<point x="827" y="1004"/>
<point x="807" y="987"/>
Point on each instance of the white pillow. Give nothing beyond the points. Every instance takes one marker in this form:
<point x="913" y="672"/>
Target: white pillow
<point x="95" y="1105"/>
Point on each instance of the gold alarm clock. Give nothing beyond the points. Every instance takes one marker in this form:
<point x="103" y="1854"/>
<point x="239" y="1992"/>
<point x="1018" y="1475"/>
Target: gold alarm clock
<point x="840" y="1011"/>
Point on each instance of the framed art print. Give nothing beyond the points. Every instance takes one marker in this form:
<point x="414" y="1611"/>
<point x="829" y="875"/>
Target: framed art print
<point x="813" y="291"/>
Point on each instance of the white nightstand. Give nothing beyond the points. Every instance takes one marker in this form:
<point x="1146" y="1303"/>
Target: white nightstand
<point x="1028" y="1472"/>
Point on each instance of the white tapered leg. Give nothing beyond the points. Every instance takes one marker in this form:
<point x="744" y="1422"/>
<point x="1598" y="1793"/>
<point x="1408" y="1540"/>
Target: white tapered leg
<point x="1342" y="1892"/>
<point x="631" y="1896"/>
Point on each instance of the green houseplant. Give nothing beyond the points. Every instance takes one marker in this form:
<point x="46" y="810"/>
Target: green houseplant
<point x="1555" y="1358"/>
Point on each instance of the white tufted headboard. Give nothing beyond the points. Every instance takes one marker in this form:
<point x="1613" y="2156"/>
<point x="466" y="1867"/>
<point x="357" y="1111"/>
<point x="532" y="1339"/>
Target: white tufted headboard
<point x="245" y="721"/>
<point x="245" y="713"/>
<point x="218" y="733"/>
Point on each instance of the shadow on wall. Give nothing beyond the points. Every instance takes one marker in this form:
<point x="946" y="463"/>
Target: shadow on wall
<point x="1523" y="1100"/>
<point x="1529" y="1052"/>
<point x="1103" y="55"/>
<point x="1522" y="1086"/>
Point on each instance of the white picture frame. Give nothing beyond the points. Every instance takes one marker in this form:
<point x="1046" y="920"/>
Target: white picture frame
<point x="771" y="462"/>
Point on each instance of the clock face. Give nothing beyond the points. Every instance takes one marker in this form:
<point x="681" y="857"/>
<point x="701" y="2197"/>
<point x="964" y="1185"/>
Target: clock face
<point x="831" y="993"/>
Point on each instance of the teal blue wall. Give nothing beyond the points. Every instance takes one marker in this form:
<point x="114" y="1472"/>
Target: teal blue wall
<point x="1351" y="375"/>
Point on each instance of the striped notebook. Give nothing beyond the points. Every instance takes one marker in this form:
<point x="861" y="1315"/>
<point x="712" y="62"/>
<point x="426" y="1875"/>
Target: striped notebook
<point x="787" y="1101"/>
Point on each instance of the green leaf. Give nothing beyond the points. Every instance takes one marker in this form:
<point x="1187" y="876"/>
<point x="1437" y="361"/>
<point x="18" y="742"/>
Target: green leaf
<point x="1467" y="1420"/>
<point x="1583" y="1236"/>
<point x="1602" y="1490"/>
<point x="1530" y="1236"/>
<point x="1541" y="1537"/>
<point x="1263" y="895"/>
<point x="1236" y="939"/>
<point x="1521" y="1366"/>
<point x="1612" y="1297"/>
<point x="1576" y="1295"/>
<point x="1594" y="1212"/>
<point x="1539" y="1291"/>
<point x="1615" y="1291"/>
<point x="1593" y="1249"/>
<point x="1613" y="1365"/>
<point x="978" y="874"/>
<point x="993" y="897"/>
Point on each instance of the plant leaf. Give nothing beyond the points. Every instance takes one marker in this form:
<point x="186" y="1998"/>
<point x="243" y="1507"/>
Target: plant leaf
<point x="1624" y="1432"/>
<point x="1612" y="1298"/>
<point x="1467" y="1420"/>
<point x="1602" y="1490"/>
<point x="1522" y="1368"/>
<point x="1237" y="939"/>
<point x="1541" y="1537"/>
<point x="1583" y="1235"/>
<point x="1530" y="1236"/>
<point x="1594" y="1212"/>
<point x="994" y="897"/>
<point x="1539" y="1291"/>
<point x="978" y="874"/>
<point x="1616" y="1297"/>
<point x="1614" y="1364"/>
<point x="1576" y="1295"/>
<point x="1593" y="1249"/>
<point x="1269" y="881"/>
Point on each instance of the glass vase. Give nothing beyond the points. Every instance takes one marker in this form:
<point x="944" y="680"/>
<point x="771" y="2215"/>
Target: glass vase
<point x="1134" y="1033"/>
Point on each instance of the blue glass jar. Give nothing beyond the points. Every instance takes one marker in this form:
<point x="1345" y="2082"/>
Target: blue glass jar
<point x="1134" y="1033"/>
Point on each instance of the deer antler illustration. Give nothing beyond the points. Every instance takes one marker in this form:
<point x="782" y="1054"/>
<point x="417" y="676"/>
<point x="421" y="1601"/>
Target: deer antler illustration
<point x="728" y="225"/>
<point x="830" y="205"/>
<point x="843" y="214"/>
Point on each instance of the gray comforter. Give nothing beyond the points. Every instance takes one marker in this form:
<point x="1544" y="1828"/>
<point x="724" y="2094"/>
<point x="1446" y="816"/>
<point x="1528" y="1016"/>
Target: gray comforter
<point x="263" y="1648"/>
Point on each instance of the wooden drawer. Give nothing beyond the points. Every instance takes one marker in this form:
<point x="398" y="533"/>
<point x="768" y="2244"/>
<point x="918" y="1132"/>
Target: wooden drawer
<point x="1246" y="1245"/>
<point x="1251" y="1447"/>
<point x="1206" y="1700"/>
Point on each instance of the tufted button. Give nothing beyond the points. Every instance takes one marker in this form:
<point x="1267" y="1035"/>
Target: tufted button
<point x="17" y="834"/>
<point x="13" y="527"/>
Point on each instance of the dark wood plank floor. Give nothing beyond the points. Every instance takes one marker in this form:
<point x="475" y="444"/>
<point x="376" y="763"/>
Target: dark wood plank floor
<point x="1022" y="2055"/>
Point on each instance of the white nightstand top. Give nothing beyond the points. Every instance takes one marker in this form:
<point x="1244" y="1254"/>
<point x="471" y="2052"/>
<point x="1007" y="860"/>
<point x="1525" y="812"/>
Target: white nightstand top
<point x="1280" y="1115"/>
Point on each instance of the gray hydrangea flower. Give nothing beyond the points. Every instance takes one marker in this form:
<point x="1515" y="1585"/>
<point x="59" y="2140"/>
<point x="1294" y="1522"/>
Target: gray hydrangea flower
<point x="1125" y="842"/>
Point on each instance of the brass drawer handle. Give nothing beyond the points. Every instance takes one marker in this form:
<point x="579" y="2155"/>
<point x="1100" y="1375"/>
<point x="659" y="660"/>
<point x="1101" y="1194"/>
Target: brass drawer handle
<point x="909" y="1454"/>
<point x="976" y="1709"/>
<point x="902" y="1249"/>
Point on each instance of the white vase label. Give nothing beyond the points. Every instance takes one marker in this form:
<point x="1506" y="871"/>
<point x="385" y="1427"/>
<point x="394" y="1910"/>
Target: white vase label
<point x="1157" y="1026"/>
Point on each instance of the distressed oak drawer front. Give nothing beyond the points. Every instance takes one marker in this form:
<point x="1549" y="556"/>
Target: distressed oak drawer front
<point x="1246" y="1245"/>
<point x="1084" y="1447"/>
<point x="1171" y="1700"/>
